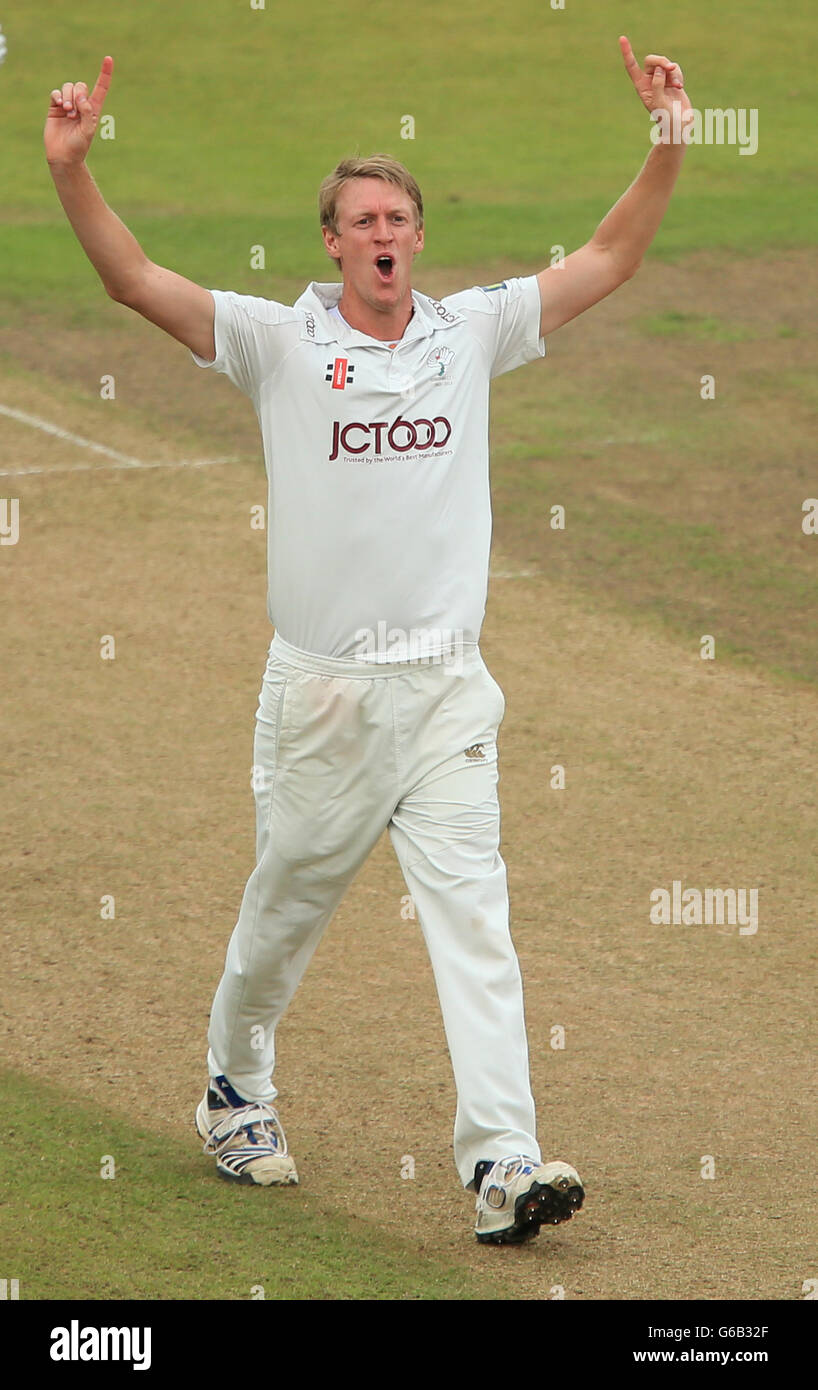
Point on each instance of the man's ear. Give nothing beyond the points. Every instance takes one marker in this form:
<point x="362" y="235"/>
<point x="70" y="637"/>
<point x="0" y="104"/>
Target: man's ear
<point x="419" y="243"/>
<point x="331" y="243"/>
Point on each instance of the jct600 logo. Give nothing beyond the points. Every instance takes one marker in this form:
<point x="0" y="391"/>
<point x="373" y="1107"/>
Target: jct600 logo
<point x="401" y="436"/>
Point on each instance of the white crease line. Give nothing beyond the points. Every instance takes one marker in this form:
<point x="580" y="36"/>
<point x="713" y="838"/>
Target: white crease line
<point x="513" y="574"/>
<point x="122" y="460"/>
<point x="48" y="428"/>
<point x="108" y="467"/>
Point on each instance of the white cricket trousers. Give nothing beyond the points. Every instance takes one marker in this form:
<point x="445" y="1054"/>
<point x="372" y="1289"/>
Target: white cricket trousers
<point x="343" y="750"/>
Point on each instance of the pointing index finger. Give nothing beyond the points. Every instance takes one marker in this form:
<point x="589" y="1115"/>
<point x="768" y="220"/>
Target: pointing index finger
<point x="631" y="64"/>
<point x="102" y="84"/>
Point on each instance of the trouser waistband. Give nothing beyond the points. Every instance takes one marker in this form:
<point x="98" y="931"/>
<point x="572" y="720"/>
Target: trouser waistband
<point x="465" y="654"/>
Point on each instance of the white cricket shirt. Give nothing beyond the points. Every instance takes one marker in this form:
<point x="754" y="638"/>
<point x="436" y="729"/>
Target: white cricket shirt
<point x="377" y="458"/>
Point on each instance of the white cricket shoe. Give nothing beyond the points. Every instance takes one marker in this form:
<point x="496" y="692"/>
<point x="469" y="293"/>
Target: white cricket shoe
<point x="246" y="1137"/>
<point x="518" y="1195"/>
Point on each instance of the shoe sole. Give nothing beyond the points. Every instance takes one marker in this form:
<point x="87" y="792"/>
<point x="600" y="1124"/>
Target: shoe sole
<point x="286" y="1178"/>
<point x="541" y="1205"/>
<point x="269" y="1179"/>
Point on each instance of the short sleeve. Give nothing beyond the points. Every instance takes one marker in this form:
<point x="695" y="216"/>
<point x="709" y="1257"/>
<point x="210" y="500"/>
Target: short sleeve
<point x="250" y="338"/>
<point x="506" y="319"/>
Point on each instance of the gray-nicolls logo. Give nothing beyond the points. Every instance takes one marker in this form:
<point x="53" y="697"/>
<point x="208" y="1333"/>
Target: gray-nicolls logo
<point x="475" y="751"/>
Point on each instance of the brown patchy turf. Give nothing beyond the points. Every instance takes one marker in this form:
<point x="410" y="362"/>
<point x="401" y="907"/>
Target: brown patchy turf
<point x="131" y="777"/>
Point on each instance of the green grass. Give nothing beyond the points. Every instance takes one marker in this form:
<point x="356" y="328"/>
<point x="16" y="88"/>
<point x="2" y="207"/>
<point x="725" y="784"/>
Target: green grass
<point x="165" y="1227"/>
<point x="526" y="127"/>
<point x="706" y="326"/>
<point x="678" y="510"/>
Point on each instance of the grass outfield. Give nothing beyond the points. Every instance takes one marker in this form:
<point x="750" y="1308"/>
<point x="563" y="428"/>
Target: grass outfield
<point x="157" y="1227"/>
<point x="526" y="127"/>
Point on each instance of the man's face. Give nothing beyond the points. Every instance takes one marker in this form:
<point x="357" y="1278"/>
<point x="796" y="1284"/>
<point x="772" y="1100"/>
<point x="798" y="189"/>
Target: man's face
<point x="376" y="225"/>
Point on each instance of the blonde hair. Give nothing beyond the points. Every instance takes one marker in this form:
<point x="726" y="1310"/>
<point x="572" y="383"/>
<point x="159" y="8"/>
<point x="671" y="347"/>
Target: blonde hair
<point x="377" y="166"/>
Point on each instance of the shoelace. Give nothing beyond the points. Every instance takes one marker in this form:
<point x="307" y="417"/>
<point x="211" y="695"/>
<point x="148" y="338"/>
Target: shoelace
<point x="248" y="1117"/>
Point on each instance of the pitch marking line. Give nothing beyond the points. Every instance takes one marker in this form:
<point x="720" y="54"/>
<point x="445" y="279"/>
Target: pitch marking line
<point x="121" y="460"/>
<point x="108" y="467"/>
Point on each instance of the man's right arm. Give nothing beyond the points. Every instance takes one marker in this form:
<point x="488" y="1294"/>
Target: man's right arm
<point x="180" y="307"/>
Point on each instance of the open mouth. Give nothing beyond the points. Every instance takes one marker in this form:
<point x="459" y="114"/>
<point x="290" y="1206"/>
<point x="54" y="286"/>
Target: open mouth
<point x="385" y="266"/>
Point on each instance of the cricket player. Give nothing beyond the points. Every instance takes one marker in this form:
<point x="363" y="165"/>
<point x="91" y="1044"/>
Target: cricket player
<point x="377" y="711"/>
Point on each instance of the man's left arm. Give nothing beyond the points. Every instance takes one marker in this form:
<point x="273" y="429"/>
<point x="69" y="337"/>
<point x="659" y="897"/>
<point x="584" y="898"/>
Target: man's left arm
<point x="615" y="251"/>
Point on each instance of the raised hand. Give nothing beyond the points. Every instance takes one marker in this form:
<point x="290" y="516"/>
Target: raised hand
<point x="73" y="117"/>
<point x="660" y="84"/>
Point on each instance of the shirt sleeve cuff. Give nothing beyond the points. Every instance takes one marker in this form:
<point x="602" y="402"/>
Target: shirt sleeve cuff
<point x="531" y="287"/>
<point x="202" y="361"/>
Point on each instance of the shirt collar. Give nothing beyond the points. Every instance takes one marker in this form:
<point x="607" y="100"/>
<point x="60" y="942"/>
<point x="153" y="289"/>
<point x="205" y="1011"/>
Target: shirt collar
<point x="319" y="327"/>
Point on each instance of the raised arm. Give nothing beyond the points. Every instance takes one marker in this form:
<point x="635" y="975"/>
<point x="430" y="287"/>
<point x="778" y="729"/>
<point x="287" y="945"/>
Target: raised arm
<point x="180" y="307"/>
<point x="615" y="251"/>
